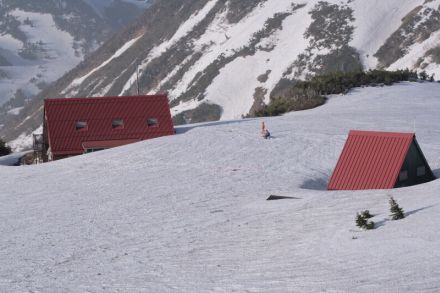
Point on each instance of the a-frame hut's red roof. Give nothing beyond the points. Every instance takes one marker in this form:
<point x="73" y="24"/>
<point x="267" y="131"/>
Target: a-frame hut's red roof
<point x="74" y="126"/>
<point x="380" y="160"/>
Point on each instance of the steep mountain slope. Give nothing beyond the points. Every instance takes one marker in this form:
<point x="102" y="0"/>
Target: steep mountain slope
<point x="42" y="40"/>
<point x="221" y="59"/>
<point x="118" y="13"/>
<point x="188" y="213"/>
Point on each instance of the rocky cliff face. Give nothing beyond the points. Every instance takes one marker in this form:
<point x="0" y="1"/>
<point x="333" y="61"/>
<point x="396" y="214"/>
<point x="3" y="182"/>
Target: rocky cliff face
<point x="221" y="59"/>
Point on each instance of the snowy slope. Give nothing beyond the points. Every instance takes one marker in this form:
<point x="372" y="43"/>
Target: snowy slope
<point x="12" y="159"/>
<point x="188" y="213"/>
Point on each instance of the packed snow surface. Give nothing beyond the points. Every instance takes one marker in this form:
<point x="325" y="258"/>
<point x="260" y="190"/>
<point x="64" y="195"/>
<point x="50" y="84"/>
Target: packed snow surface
<point x="12" y="159"/>
<point x="188" y="213"/>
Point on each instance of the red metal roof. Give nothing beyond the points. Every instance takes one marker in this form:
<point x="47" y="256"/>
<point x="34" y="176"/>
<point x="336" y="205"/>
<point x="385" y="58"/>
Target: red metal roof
<point x="62" y="115"/>
<point x="370" y="160"/>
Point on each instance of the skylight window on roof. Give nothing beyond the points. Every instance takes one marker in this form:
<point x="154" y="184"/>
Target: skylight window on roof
<point x="152" y="122"/>
<point x="117" y="123"/>
<point x="81" y="125"/>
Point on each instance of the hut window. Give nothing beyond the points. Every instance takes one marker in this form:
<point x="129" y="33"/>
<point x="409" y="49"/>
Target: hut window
<point x="117" y="123"/>
<point x="81" y="125"/>
<point x="152" y="122"/>
<point x="94" y="150"/>
<point x="403" y="176"/>
<point x="421" y="171"/>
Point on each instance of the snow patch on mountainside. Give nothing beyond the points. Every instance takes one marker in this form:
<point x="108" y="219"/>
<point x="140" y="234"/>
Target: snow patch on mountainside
<point x="192" y="215"/>
<point x="167" y="78"/>
<point x="15" y="111"/>
<point x="417" y="50"/>
<point x="222" y="38"/>
<point x="185" y="106"/>
<point x="52" y="49"/>
<point x="39" y="27"/>
<point x="375" y="21"/>
<point x="10" y="45"/>
<point x="24" y="141"/>
<point x="234" y="87"/>
<point x="78" y="81"/>
<point x="183" y="30"/>
<point x="241" y="75"/>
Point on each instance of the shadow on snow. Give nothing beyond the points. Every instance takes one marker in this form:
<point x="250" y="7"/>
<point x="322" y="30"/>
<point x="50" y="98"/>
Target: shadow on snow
<point x="185" y="128"/>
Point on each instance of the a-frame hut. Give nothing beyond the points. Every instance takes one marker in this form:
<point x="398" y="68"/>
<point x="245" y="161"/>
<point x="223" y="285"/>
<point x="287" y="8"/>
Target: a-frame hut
<point x="380" y="160"/>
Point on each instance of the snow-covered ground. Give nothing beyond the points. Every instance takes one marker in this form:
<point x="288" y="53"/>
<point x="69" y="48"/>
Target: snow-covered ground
<point x="12" y="159"/>
<point x="188" y="213"/>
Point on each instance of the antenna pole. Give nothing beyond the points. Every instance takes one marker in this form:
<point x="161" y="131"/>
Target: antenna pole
<point x="137" y="80"/>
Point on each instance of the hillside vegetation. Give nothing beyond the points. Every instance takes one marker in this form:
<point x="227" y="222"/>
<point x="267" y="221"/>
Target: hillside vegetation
<point x="309" y="94"/>
<point x="4" y="149"/>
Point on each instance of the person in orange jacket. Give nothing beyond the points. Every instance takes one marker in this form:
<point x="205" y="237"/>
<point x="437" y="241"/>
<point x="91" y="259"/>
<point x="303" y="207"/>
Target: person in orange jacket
<point x="264" y="131"/>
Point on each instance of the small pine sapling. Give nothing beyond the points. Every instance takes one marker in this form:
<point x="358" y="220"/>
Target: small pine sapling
<point x="4" y="149"/>
<point x="360" y="221"/>
<point x="396" y="210"/>
<point x="370" y="225"/>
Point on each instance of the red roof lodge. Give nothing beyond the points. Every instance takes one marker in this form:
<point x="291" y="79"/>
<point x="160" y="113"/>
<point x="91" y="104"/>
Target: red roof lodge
<point x="81" y="125"/>
<point x="380" y="160"/>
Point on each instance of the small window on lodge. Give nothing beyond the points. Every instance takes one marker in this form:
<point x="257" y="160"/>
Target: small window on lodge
<point x="117" y="123"/>
<point x="403" y="176"/>
<point x="421" y="171"/>
<point x="152" y="122"/>
<point x="81" y="125"/>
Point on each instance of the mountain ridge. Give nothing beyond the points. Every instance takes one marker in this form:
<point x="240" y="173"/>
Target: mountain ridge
<point x="220" y="59"/>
